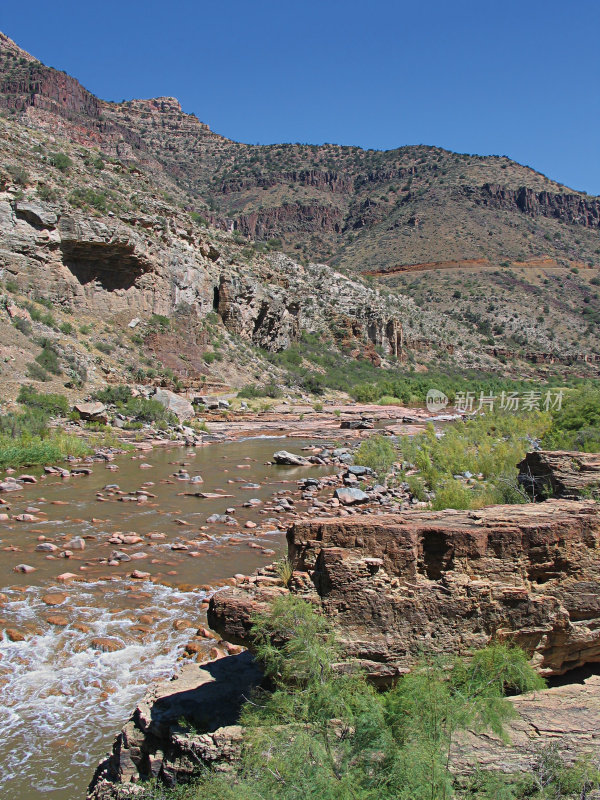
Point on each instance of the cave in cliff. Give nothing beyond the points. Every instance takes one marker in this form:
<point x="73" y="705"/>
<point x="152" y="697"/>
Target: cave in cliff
<point x="111" y="268"/>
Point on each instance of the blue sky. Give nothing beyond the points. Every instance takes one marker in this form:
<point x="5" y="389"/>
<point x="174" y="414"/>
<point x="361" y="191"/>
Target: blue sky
<point x="509" y="78"/>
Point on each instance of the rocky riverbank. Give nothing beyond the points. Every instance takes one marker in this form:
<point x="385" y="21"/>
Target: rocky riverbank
<point x="395" y="586"/>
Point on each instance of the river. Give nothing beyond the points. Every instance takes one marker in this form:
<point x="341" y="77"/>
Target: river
<point x="91" y="646"/>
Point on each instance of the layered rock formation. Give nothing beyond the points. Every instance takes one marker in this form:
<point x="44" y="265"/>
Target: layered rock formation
<point x="560" y="473"/>
<point x="110" y="265"/>
<point x="399" y="585"/>
<point x="343" y="203"/>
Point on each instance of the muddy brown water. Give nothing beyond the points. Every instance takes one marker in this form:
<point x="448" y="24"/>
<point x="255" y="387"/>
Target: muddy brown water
<point x="86" y="659"/>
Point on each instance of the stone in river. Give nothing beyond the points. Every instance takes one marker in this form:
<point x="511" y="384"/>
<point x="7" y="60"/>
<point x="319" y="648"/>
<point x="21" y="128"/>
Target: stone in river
<point x="46" y="547"/>
<point x="54" y="599"/>
<point x="28" y="478"/>
<point x="349" y="497"/>
<point x="66" y="576"/>
<point x="290" y="459"/>
<point x="77" y="543"/>
<point x="105" y="645"/>
<point x="131" y="538"/>
<point x="139" y="575"/>
<point x="14" y="635"/>
<point x="26" y="518"/>
<point x="57" y="619"/>
<point x="24" y="568"/>
<point x="10" y="486"/>
<point x="250" y="524"/>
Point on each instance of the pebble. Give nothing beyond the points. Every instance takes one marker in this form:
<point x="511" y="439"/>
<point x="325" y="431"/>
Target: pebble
<point x="54" y="599"/>
<point x="105" y="645"/>
<point x="24" y="568"/>
<point x="138" y="575"/>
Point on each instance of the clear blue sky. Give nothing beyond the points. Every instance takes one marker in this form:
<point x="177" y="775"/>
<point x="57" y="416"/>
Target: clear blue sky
<point x="494" y="76"/>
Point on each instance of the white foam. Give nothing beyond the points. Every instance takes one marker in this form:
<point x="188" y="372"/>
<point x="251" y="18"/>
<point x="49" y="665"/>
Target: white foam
<point x="62" y="701"/>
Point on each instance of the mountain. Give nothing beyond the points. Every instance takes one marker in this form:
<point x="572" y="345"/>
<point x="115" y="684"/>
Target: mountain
<point x="480" y="262"/>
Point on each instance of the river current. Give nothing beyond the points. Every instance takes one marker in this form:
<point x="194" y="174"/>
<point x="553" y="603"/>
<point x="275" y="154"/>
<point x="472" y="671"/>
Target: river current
<point x="76" y="656"/>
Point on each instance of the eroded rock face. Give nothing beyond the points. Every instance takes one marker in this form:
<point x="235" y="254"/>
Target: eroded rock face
<point x="560" y="473"/>
<point x="180" y="724"/>
<point x="449" y="581"/>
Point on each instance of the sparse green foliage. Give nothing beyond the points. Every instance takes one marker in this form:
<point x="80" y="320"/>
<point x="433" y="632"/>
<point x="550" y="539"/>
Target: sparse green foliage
<point x="61" y="161"/>
<point x="378" y="453"/>
<point x="325" y="734"/>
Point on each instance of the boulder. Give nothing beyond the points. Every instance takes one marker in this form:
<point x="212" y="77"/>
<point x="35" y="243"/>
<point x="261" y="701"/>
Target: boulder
<point x="178" y="405"/>
<point x="351" y="496"/>
<point x="36" y="214"/>
<point x="290" y="459"/>
<point x="560" y="473"/>
<point x="366" y="423"/>
<point x="154" y="743"/>
<point x="95" y="412"/>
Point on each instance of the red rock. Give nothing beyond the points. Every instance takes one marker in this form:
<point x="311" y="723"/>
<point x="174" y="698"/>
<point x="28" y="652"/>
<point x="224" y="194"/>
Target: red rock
<point x="106" y="645"/>
<point x="57" y="619"/>
<point x="396" y="584"/>
<point x="14" y="635"/>
<point x="139" y="575"/>
<point x="54" y="599"/>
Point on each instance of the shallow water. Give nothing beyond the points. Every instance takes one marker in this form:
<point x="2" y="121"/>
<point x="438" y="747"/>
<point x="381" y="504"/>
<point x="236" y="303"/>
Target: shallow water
<point x="62" y="699"/>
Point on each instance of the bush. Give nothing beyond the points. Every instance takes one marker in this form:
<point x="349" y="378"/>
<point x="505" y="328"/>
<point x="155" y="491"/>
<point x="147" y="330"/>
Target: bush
<point x="48" y="359"/>
<point x="18" y="174"/>
<point x="145" y="409"/>
<point x="23" y="325"/>
<point x="331" y="736"/>
<point x="80" y="198"/>
<point x="377" y="453"/>
<point x="452" y="494"/>
<point x="66" y="328"/>
<point x="113" y="395"/>
<point x="37" y="373"/>
<point x="61" y="161"/>
<point x="50" y="404"/>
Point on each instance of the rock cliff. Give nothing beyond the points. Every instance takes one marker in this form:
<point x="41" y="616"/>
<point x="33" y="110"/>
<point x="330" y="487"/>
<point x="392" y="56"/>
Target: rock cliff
<point x="399" y="585"/>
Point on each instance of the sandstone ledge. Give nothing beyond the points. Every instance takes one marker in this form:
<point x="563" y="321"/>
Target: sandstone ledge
<point x="449" y="581"/>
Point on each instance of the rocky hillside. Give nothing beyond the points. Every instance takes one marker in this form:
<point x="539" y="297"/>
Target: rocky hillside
<point x="121" y="211"/>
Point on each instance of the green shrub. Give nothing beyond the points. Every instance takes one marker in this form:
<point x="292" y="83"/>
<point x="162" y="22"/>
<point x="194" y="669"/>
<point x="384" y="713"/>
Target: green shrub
<point x="113" y="395"/>
<point x="23" y="325"/>
<point x="80" y="198"/>
<point x="66" y="328"/>
<point x="48" y="359"/>
<point x="146" y="409"/>
<point x="330" y="736"/>
<point x="51" y="404"/>
<point x="105" y="347"/>
<point x="37" y="373"/>
<point x="61" y="161"/>
<point x="452" y="494"/>
<point x="377" y="453"/>
<point x="19" y="174"/>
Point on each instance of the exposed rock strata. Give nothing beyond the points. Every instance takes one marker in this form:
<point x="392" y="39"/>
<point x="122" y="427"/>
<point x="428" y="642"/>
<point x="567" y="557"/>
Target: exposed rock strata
<point x="560" y="473"/>
<point x="397" y="585"/>
<point x="109" y="266"/>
